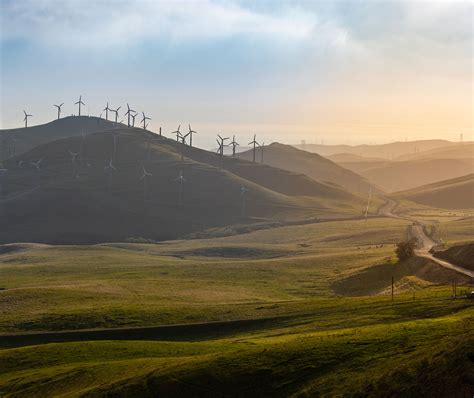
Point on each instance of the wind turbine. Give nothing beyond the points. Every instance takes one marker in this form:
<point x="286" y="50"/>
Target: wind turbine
<point x="178" y="133"/>
<point x="191" y="132"/>
<point x="221" y="144"/>
<point x="261" y="153"/>
<point x="37" y="164"/>
<point x="75" y="169"/>
<point x="144" y="119"/>
<point x="129" y="113"/>
<point x="116" y="113"/>
<point x="26" y="118"/>
<point x="183" y="144"/>
<point x="234" y="143"/>
<point x="181" y="180"/>
<point x="254" y="143"/>
<point x="79" y="103"/>
<point x="59" y="109"/>
<point x="107" y="109"/>
<point x="144" y="177"/>
<point x="220" y="150"/>
<point x="109" y="169"/>
<point x="74" y="155"/>
<point x="243" y="192"/>
<point x="133" y="116"/>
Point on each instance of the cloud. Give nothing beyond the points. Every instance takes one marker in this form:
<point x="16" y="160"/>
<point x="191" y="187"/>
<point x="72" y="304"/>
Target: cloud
<point x="77" y="23"/>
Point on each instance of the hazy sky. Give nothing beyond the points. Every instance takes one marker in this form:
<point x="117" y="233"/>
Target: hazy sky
<point x="344" y="71"/>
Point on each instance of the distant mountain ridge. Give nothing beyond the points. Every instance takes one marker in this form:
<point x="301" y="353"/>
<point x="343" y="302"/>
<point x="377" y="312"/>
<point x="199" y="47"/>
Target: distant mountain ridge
<point x="388" y="151"/>
<point x="313" y="165"/>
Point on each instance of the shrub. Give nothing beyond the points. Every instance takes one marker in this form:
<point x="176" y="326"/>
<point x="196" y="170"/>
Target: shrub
<point x="406" y="249"/>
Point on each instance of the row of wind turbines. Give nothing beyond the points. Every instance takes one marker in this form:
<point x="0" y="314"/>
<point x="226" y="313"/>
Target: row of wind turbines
<point x="131" y="113"/>
<point x="180" y="137"/>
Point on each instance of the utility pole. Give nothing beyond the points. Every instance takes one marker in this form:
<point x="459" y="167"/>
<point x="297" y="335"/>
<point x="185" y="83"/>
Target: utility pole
<point x="392" y="289"/>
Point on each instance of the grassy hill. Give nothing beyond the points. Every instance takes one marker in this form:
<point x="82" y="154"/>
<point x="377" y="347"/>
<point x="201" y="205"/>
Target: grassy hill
<point x="21" y="140"/>
<point x="462" y="255"/>
<point x="259" y="320"/>
<point x="79" y="201"/>
<point x="313" y="165"/>
<point x="457" y="193"/>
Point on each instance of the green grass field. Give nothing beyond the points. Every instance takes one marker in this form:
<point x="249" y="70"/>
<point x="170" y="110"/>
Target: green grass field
<point x="308" y="313"/>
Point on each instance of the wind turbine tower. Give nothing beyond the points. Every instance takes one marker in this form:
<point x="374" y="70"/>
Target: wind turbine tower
<point x="144" y="123"/>
<point x="181" y="180"/>
<point x="234" y="144"/>
<point x="107" y="109"/>
<point x="144" y="177"/>
<point x="191" y="132"/>
<point x="129" y="114"/>
<point x="26" y="119"/>
<point x="178" y="133"/>
<point x="220" y="150"/>
<point x="368" y="205"/>
<point x="79" y="103"/>
<point x="254" y="143"/>
<point x="243" y="192"/>
<point x="59" y="109"/>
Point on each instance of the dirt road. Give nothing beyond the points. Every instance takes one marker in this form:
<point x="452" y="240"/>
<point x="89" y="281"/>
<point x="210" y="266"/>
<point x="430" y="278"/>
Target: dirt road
<point x="425" y="243"/>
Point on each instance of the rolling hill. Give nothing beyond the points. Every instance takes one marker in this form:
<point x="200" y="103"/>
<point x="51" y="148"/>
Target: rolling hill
<point x="400" y="176"/>
<point x="21" y="140"/>
<point x="78" y="201"/>
<point x="313" y="165"/>
<point x="386" y="151"/>
<point x="459" y="151"/>
<point x="462" y="255"/>
<point x="457" y="193"/>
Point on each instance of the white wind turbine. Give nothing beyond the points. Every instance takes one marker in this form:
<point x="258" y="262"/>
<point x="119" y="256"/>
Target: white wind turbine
<point x="181" y="180"/>
<point x="59" y="109"/>
<point x="243" y="192"/>
<point x="26" y="118"/>
<point x="37" y="164"/>
<point x="144" y="178"/>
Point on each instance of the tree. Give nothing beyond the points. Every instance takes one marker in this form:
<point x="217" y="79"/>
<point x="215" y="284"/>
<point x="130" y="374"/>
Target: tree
<point x="406" y="249"/>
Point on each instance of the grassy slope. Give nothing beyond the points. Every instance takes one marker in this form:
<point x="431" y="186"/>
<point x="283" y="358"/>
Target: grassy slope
<point x="457" y="193"/>
<point x="28" y="138"/>
<point x="185" y="281"/>
<point x="96" y="208"/>
<point x="381" y="349"/>
<point x="304" y="338"/>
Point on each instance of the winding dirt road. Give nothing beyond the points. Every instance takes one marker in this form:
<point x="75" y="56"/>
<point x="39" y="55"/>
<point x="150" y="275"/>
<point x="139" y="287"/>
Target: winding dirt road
<point x="425" y="243"/>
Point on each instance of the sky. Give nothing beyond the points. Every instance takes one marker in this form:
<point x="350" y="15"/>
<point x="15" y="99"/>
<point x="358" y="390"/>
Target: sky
<point x="334" y="72"/>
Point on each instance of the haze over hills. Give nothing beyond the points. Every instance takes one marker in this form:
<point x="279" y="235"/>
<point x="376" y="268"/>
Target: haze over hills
<point x="456" y="193"/>
<point x="21" y="140"/>
<point x="77" y="201"/>
<point x="313" y="165"/>
<point x="388" y="151"/>
<point x="399" y="176"/>
<point x="412" y="170"/>
<point x="459" y="151"/>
